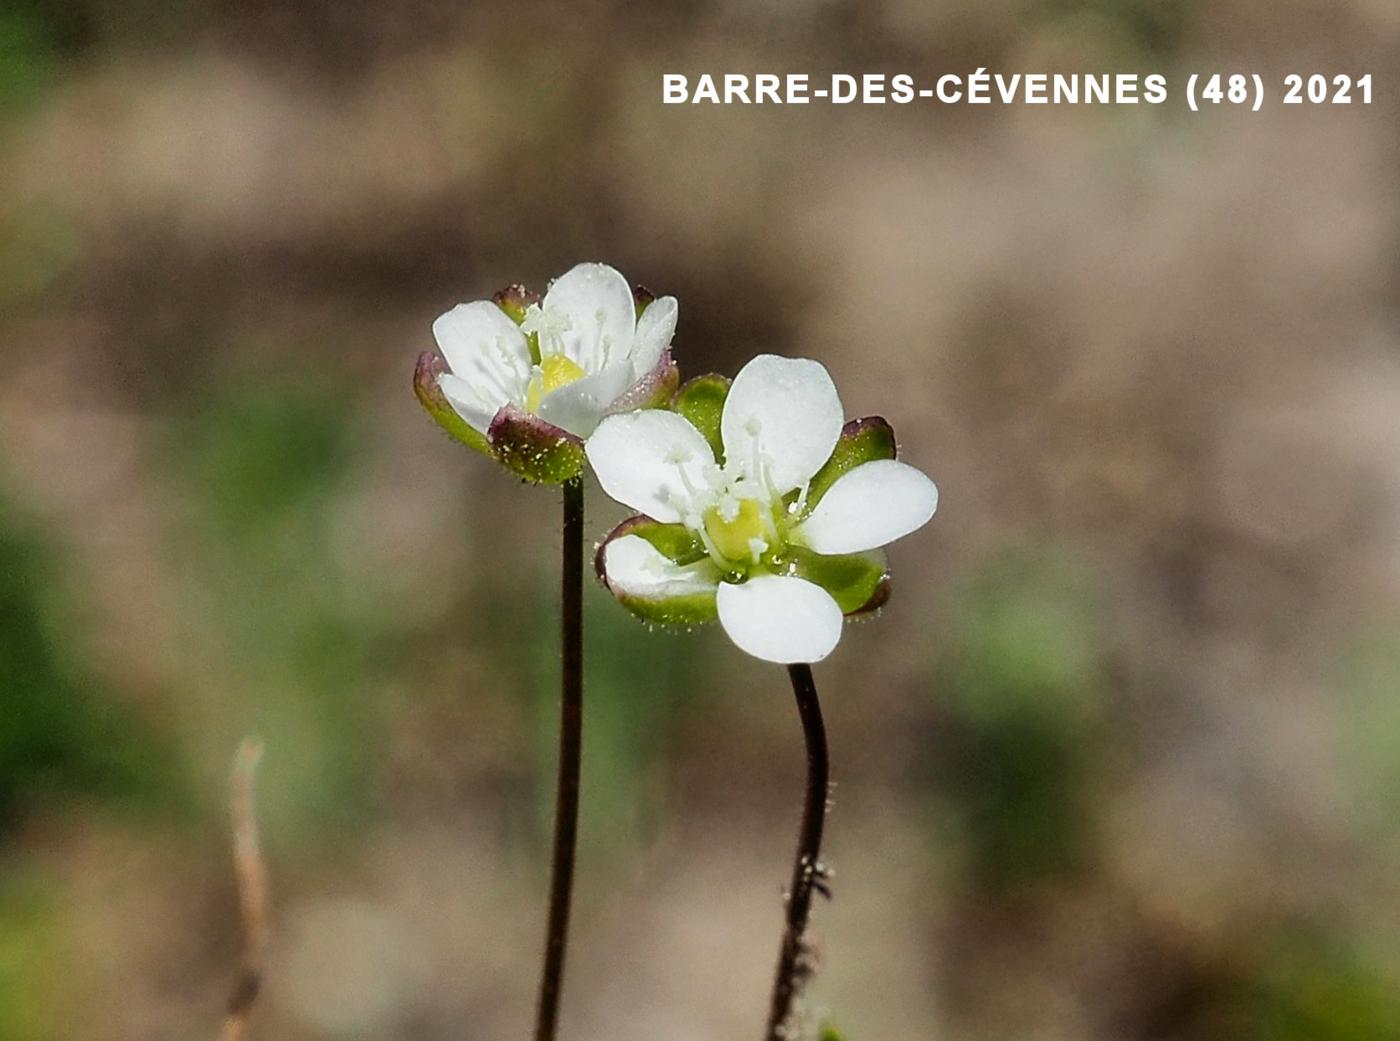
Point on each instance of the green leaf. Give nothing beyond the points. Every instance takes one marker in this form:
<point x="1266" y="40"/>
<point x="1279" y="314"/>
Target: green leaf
<point x="857" y="581"/>
<point x="861" y="441"/>
<point x="701" y="400"/>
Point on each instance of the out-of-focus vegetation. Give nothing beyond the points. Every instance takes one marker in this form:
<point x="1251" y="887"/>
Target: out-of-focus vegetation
<point x="62" y="736"/>
<point x="1026" y="695"/>
<point x="1119" y="761"/>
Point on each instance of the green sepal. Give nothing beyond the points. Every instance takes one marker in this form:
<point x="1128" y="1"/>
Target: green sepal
<point x="515" y="300"/>
<point x="675" y="542"/>
<point x="861" y="441"/>
<point x="425" y="385"/>
<point x="691" y="609"/>
<point x="534" y="450"/>
<point x="643" y="298"/>
<point x="858" y="582"/>
<point x="701" y="401"/>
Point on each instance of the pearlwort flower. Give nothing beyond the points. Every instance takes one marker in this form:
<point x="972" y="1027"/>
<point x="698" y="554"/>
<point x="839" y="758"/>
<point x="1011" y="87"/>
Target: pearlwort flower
<point x="757" y="506"/>
<point x="524" y="380"/>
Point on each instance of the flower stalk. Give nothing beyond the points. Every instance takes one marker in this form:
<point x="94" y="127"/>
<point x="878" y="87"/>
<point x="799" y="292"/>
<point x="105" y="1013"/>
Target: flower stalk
<point x="808" y="872"/>
<point x="570" y="758"/>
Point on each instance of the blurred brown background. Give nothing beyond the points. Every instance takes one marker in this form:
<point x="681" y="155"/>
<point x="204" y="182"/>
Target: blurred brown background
<point x="1120" y="761"/>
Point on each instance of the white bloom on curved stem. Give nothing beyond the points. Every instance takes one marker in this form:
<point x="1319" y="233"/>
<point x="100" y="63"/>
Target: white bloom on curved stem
<point x="592" y="348"/>
<point x="773" y="536"/>
<point x="526" y="375"/>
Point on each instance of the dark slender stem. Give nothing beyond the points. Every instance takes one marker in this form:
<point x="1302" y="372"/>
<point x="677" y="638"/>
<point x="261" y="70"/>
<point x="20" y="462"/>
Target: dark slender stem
<point x="807" y="869"/>
<point x="570" y="756"/>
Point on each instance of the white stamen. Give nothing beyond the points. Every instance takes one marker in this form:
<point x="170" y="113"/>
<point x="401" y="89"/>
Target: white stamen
<point x="550" y="327"/>
<point x="769" y="528"/>
<point x="696" y="495"/>
<point x="710" y="546"/>
<point x="601" y="345"/>
<point x="801" y="503"/>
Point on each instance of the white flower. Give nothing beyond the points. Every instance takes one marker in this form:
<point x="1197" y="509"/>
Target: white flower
<point x="776" y="537"/>
<point x="576" y="355"/>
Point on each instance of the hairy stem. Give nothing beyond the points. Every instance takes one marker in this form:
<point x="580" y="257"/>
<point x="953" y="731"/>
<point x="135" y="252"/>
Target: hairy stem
<point x="570" y="755"/>
<point x="807" y="870"/>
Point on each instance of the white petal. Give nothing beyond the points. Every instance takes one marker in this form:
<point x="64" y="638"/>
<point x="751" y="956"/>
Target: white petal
<point x="578" y="406"/>
<point x="870" y="506"/>
<point x="466" y="402"/>
<point x="488" y="352"/>
<point x="788" y="407"/>
<point x="654" y="331"/>
<point x="646" y="459"/>
<point x="778" y="619"/>
<point x="600" y="310"/>
<point x="635" y="567"/>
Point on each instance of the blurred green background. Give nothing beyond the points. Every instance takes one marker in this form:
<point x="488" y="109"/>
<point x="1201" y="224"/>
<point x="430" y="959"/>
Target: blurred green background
<point x="1121" y="760"/>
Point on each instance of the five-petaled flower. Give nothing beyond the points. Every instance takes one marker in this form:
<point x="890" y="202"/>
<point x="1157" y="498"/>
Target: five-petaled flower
<point x="757" y="506"/>
<point x="526" y="380"/>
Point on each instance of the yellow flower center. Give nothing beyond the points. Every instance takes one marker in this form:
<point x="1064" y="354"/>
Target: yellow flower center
<point x="738" y="532"/>
<point x="553" y="372"/>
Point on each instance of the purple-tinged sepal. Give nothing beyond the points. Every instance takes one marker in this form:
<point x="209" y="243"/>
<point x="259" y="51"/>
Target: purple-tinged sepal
<point x="426" y="386"/>
<point x="533" y="449"/>
<point x="878" y="599"/>
<point x="653" y="390"/>
<point x="515" y="300"/>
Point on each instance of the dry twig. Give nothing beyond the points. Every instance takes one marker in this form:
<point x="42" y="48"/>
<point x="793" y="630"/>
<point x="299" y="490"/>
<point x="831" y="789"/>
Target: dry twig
<point x="252" y="892"/>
